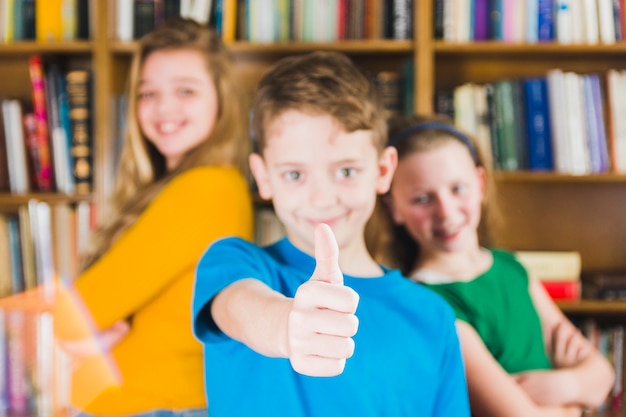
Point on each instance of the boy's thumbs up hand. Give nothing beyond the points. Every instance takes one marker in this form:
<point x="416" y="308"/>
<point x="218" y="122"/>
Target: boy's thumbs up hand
<point x="322" y="320"/>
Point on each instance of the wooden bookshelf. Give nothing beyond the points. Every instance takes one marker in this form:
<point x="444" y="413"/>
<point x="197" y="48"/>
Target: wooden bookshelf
<point x="544" y="210"/>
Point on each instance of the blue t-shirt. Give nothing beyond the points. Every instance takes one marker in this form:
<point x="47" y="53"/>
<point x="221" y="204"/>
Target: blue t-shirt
<point x="407" y="359"/>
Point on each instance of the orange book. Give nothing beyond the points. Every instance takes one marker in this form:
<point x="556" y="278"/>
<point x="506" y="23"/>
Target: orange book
<point x="48" y="26"/>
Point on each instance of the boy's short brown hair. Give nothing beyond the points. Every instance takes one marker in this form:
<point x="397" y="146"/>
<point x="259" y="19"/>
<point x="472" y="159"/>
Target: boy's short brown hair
<point x="319" y="83"/>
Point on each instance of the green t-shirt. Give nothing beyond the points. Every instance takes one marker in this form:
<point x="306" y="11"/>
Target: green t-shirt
<point x="499" y="306"/>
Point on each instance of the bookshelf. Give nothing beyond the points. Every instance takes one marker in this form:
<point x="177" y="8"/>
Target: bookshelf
<point x="548" y="211"/>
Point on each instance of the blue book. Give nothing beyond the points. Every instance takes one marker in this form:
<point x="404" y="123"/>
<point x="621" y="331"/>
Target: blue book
<point x="538" y="124"/>
<point x="545" y="22"/>
<point x="495" y="20"/>
<point x="598" y="114"/>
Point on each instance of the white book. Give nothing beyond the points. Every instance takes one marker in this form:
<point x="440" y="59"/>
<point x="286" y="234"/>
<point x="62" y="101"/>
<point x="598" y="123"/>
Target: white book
<point x="578" y="153"/>
<point x="606" y="21"/>
<point x="185" y="8"/>
<point x="449" y="24"/>
<point x="464" y="112"/>
<point x="551" y="265"/>
<point x="532" y="21"/>
<point x="41" y="229"/>
<point x="16" y="148"/>
<point x="578" y="30"/>
<point x="558" y="119"/>
<point x="590" y="22"/>
<point x="564" y="21"/>
<point x="200" y="11"/>
<point x="620" y="108"/>
<point x="124" y="17"/>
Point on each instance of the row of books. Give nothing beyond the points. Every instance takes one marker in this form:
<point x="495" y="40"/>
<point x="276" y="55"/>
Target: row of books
<point x="46" y="144"/>
<point x="39" y="246"/>
<point x="274" y="20"/>
<point x="44" y="20"/>
<point x="561" y="121"/>
<point x="40" y="242"/>
<point x="530" y="21"/>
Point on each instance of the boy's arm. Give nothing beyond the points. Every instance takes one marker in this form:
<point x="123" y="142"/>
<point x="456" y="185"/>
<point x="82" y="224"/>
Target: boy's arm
<point x="583" y="376"/>
<point x="494" y="393"/>
<point x="314" y="329"/>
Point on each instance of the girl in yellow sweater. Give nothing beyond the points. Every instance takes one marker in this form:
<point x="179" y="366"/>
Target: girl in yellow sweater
<point x="179" y="188"/>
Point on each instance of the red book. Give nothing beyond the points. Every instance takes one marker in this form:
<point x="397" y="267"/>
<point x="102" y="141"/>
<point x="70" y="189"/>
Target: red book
<point x="44" y="172"/>
<point x="563" y="290"/>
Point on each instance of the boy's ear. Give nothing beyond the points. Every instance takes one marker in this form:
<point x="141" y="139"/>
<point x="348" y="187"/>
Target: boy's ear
<point x="257" y="166"/>
<point x="387" y="162"/>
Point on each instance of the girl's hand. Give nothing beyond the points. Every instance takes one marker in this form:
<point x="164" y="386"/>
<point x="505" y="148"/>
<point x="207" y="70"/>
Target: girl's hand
<point x="569" y="347"/>
<point x="103" y="341"/>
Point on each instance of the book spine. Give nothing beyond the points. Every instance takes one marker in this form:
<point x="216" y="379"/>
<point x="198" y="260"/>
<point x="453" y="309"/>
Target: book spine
<point x="538" y="124"/>
<point x="143" y="18"/>
<point x="481" y="20"/>
<point x="79" y="99"/>
<point x="563" y="290"/>
<point x="545" y="23"/>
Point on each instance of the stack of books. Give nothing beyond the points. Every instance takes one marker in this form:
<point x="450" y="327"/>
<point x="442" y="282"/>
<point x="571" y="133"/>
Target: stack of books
<point x="558" y="271"/>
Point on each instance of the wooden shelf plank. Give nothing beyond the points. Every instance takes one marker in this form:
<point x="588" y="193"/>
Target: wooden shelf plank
<point x="12" y="200"/>
<point x="381" y="47"/>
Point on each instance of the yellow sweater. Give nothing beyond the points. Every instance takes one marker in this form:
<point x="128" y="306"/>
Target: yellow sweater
<point x="148" y="274"/>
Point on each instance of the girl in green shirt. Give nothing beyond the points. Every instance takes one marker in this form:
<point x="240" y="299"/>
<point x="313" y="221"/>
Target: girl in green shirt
<point x="522" y="355"/>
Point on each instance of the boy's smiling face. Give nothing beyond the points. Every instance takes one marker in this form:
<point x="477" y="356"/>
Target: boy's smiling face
<point x="315" y="172"/>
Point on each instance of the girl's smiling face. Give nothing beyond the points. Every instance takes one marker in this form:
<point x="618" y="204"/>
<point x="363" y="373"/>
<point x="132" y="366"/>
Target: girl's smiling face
<point x="177" y="102"/>
<point x="437" y="194"/>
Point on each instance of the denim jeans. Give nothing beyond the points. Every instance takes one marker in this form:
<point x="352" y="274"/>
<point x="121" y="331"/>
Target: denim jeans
<point x="196" y="412"/>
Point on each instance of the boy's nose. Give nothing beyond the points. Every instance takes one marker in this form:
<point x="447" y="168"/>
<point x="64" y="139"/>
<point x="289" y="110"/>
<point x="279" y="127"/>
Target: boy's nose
<point x="322" y="193"/>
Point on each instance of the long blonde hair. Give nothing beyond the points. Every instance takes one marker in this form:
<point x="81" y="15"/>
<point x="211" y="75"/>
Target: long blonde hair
<point x="142" y="172"/>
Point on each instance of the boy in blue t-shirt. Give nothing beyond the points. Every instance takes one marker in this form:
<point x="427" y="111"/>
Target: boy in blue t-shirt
<point x="312" y="325"/>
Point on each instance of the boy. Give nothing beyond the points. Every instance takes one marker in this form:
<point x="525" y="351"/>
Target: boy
<point x="278" y="323"/>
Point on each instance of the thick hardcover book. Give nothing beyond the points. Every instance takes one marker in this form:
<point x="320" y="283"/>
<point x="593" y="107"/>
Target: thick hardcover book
<point x="48" y="20"/>
<point x="495" y="20"/>
<point x="551" y="265"/>
<point x="505" y="126"/>
<point x="28" y="19"/>
<point x="16" y="151"/>
<point x="79" y="98"/>
<point x="58" y="133"/>
<point x="171" y="8"/>
<point x="545" y="22"/>
<point x="143" y="17"/>
<point x="44" y="175"/>
<point x="538" y="124"/>
<point x="481" y="20"/>
<point x="598" y="114"/>
<point x="438" y="19"/>
<point x="83" y="19"/>
<point x="563" y="290"/>
<point x="4" y="161"/>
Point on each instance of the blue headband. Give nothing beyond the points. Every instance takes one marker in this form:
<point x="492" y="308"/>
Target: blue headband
<point x="445" y="127"/>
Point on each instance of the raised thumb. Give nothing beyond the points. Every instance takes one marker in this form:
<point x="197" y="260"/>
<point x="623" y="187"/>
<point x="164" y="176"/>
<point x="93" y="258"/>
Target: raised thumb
<point x="326" y="256"/>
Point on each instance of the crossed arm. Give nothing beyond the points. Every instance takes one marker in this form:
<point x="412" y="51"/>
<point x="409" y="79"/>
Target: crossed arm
<point x="581" y="378"/>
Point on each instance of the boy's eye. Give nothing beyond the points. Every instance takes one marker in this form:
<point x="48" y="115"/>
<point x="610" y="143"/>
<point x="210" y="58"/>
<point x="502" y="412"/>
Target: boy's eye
<point x="293" y="175"/>
<point x="347" y="172"/>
